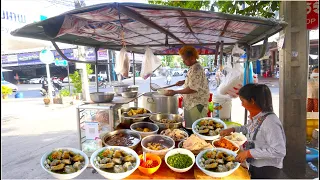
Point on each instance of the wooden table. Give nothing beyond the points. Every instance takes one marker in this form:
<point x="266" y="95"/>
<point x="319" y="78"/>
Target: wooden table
<point x="164" y="172"/>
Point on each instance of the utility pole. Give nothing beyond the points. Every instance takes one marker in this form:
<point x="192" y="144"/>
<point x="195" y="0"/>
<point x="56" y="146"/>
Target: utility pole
<point x="293" y="82"/>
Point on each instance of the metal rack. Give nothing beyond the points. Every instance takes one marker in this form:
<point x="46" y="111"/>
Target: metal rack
<point x="86" y="111"/>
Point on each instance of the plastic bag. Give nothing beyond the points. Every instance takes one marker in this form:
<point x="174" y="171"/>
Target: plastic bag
<point x="232" y="82"/>
<point x="250" y="74"/>
<point x="149" y="63"/>
<point x="122" y="63"/>
<point x="237" y="53"/>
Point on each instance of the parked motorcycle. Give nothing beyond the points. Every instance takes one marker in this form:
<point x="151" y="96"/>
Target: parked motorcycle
<point x="56" y="85"/>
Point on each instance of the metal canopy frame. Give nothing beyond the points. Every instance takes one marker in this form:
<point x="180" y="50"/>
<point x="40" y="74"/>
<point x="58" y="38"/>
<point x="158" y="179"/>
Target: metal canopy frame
<point x="67" y="28"/>
<point x="162" y="27"/>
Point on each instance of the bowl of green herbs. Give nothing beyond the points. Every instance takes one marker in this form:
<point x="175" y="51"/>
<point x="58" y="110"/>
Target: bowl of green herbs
<point x="180" y="160"/>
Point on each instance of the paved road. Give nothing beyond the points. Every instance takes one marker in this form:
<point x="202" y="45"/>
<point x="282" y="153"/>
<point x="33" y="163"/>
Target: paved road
<point x="29" y="129"/>
<point x="32" y="90"/>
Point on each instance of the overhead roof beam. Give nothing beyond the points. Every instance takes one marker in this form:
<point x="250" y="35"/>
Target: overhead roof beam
<point x="138" y="17"/>
<point x="189" y="27"/>
<point x="169" y="45"/>
<point x="224" y="28"/>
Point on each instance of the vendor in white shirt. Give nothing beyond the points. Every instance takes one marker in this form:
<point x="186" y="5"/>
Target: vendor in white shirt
<point x="196" y="90"/>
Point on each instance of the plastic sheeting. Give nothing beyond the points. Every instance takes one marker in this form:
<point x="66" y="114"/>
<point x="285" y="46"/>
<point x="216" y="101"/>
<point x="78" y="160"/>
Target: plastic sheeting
<point x="160" y="27"/>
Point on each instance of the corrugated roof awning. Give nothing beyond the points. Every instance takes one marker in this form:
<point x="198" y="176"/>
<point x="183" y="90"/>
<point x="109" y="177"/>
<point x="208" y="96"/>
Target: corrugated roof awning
<point x="160" y="27"/>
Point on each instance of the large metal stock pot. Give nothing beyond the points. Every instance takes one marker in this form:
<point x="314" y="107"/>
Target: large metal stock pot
<point x="157" y="103"/>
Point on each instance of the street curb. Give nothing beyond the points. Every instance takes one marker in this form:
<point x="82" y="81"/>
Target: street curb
<point x="20" y="99"/>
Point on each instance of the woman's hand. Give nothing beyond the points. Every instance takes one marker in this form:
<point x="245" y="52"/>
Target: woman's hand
<point x="242" y="156"/>
<point x="226" y="132"/>
<point x="170" y="93"/>
<point x="180" y="83"/>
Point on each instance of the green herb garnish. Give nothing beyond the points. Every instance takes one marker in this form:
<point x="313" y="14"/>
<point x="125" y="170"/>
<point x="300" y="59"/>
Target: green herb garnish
<point x="100" y="155"/>
<point x="50" y="157"/>
<point x="179" y="161"/>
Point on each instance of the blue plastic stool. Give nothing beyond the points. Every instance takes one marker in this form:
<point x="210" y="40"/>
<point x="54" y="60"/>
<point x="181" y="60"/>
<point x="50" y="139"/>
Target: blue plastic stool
<point x="313" y="155"/>
<point x="19" y="95"/>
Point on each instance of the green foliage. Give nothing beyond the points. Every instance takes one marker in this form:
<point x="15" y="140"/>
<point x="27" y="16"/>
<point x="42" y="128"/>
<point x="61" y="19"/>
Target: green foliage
<point x="264" y="9"/>
<point x="89" y="69"/>
<point x="196" y="5"/>
<point x="76" y="81"/>
<point x="64" y="92"/>
<point x="5" y="90"/>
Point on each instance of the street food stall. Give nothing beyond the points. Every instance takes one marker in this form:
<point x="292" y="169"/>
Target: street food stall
<point x="151" y="127"/>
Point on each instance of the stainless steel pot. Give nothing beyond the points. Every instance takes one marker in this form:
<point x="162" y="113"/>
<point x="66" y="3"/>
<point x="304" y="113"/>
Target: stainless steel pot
<point x="127" y="119"/>
<point x="118" y="89"/>
<point x="160" y="103"/>
<point x="101" y="97"/>
<point x="162" y="126"/>
<point x="124" y="131"/>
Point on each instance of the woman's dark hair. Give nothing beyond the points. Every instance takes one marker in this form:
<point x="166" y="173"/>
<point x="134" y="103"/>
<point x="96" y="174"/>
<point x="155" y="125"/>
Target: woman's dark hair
<point x="260" y="94"/>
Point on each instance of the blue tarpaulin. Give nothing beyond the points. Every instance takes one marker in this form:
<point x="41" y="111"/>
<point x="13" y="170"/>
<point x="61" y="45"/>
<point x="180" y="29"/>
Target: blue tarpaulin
<point x="250" y="75"/>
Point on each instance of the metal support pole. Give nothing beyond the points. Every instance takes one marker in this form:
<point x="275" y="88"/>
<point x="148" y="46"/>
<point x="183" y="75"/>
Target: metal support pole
<point x="134" y="69"/>
<point x="221" y="56"/>
<point x="248" y="51"/>
<point x="96" y="56"/>
<point x="69" y="77"/>
<point x="49" y="84"/>
<point x="109" y="68"/>
<point x="216" y="55"/>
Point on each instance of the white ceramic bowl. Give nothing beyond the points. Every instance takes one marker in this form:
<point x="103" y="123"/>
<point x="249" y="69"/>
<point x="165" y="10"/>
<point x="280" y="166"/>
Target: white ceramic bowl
<point x="181" y="151"/>
<point x="65" y="176"/>
<point x="164" y="140"/>
<point x="152" y="126"/>
<point x="162" y="91"/>
<point x="109" y="175"/>
<point x="226" y="148"/>
<point x="216" y="174"/>
<point x="208" y="138"/>
<point x="239" y="143"/>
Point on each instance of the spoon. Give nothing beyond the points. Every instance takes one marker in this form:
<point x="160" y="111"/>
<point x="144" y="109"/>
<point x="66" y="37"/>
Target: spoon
<point x="144" y="157"/>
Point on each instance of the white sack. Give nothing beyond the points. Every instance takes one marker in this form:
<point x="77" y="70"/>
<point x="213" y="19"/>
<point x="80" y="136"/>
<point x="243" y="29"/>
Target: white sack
<point x="149" y="63"/>
<point x="122" y="63"/>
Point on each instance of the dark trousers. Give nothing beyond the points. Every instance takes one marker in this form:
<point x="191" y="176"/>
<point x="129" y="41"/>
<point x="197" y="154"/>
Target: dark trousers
<point x="266" y="172"/>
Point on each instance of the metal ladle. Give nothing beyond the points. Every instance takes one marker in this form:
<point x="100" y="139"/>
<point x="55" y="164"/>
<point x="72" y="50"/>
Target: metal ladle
<point x="156" y="87"/>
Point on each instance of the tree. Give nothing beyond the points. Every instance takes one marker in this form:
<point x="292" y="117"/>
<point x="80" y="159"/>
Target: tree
<point x="197" y="5"/>
<point x="264" y="9"/>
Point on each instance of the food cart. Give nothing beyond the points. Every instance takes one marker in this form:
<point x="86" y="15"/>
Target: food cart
<point x="163" y="29"/>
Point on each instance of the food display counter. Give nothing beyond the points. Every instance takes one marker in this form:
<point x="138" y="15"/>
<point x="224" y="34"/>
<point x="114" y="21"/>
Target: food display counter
<point x="87" y="112"/>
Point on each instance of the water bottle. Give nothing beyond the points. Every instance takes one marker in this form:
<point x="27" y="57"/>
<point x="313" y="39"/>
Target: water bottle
<point x="314" y="168"/>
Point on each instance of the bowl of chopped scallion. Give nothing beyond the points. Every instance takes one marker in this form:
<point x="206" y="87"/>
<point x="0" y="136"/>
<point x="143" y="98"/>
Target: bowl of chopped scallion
<point x="180" y="160"/>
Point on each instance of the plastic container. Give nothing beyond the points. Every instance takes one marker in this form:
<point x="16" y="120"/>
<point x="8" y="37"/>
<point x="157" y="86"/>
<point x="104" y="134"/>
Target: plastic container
<point x="226" y="103"/>
<point x="19" y="95"/>
<point x="149" y="171"/>
<point x="310" y="126"/>
<point x="314" y="154"/>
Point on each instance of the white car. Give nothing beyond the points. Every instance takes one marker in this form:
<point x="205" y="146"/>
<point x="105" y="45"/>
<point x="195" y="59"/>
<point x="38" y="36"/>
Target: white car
<point x="10" y="85"/>
<point x="66" y="79"/>
<point x="35" y="81"/>
<point x="177" y="72"/>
